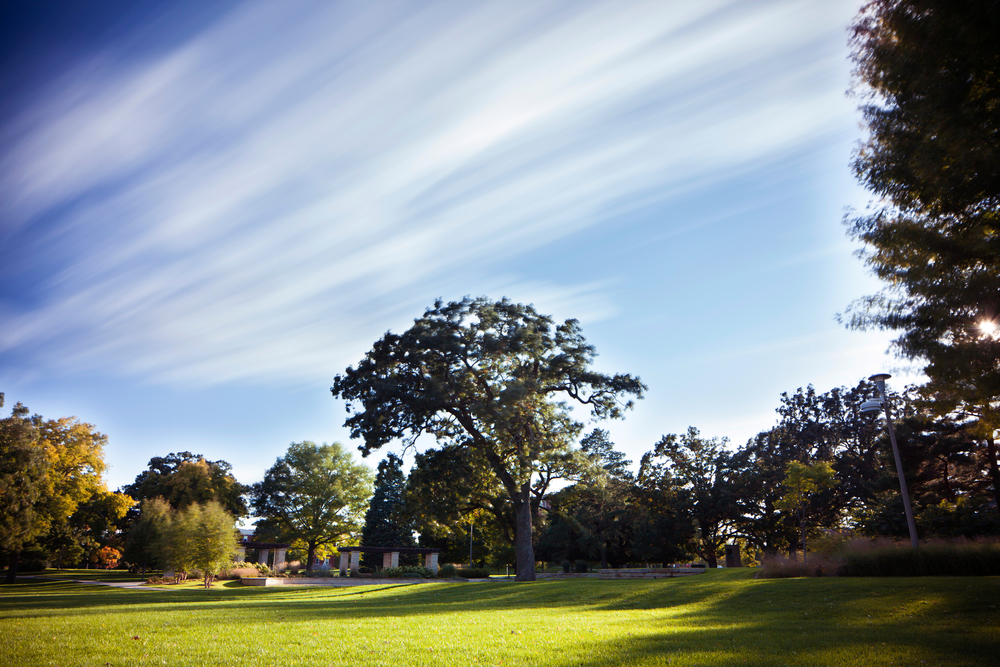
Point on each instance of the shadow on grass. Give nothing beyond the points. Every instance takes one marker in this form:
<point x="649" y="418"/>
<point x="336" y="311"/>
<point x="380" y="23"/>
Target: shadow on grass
<point x="724" y="618"/>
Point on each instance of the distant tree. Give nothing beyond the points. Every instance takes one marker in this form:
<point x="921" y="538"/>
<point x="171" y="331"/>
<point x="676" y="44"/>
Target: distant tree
<point x="598" y="446"/>
<point x="489" y="376"/>
<point x="146" y="545"/>
<point x="593" y="517"/>
<point x="802" y="482"/>
<point x="449" y="490"/>
<point x="184" y="478"/>
<point x="386" y="524"/>
<point x="702" y="474"/>
<point x="92" y="526"/>
<point x="314" y="493"/>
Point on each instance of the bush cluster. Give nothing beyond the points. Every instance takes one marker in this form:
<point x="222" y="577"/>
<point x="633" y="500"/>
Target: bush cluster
<point x="967" y="559"/>
<point x="473" y="573"/>
<point x="883" y="558"/>
<point x="405" y="571"/>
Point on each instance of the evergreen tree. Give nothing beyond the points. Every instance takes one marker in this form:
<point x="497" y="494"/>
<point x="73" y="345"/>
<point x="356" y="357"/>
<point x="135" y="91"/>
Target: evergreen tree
<point x="385" y="524"/>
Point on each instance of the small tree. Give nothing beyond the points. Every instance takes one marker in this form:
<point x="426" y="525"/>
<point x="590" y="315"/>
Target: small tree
<point x="212" y="539"/>
<point x="803" y="481"/>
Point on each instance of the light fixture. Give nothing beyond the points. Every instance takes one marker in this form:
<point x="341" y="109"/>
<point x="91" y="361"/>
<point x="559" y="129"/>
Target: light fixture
<point x="875" y="405"/>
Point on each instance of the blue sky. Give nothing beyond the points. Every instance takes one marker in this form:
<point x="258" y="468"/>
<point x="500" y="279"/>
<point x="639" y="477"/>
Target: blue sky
<point x="211" y="209"/>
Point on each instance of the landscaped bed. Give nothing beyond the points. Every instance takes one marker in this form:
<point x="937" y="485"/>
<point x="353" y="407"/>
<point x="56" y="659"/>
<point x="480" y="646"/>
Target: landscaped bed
<point x="719" y="618"/>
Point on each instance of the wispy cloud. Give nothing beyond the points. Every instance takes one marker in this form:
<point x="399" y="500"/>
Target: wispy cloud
<point x="259" y="202"/>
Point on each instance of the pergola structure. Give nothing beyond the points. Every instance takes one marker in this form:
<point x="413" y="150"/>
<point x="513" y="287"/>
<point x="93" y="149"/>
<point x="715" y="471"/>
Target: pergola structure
<point x="264" y="550"/>
<point x="351" y="557"/>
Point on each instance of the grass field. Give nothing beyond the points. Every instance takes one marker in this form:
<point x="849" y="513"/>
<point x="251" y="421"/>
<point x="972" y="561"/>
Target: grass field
<point x="719" y="618"/>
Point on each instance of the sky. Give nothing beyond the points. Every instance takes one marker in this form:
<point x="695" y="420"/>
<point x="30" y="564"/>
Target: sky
<point x="212" y="208"/>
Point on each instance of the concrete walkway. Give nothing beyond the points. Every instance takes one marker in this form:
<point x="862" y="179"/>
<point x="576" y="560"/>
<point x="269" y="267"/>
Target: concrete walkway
<point x="130" y="585"/>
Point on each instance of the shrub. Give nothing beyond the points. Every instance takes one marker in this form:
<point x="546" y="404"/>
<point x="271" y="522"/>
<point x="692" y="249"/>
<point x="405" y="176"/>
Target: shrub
<point x="779" y="567"/>
<point x="581" y="566"/>
<point x="567" y="566"/>
<point x="960" y="558"/>
<point x="405" y="571"/>
<point x="473" y="573"/>
<point x="447" y="571"/>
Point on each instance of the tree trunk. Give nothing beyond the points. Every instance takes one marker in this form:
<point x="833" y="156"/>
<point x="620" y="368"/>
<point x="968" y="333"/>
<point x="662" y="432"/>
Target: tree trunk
<point x="524" y="550"/>
<point x="15" y="556"/>
<point x="604" y="555"/>
<point x="310" y="558"/>
<point x="805" y="554"/>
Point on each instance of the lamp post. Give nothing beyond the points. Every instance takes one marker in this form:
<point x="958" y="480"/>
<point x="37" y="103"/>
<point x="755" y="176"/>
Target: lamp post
<point x="875" y="406"/>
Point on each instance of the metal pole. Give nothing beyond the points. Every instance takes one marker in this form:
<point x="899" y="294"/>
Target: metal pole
<point x="907" y="508"/>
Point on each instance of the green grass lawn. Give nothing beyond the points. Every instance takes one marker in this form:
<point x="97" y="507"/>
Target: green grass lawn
<point x="719" y="618"/>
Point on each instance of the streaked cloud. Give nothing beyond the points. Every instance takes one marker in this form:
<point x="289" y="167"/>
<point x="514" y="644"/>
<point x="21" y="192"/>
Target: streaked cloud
<point x="259" y="202"/>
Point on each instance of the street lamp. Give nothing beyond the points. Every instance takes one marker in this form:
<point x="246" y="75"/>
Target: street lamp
<point x="875" y="405"/>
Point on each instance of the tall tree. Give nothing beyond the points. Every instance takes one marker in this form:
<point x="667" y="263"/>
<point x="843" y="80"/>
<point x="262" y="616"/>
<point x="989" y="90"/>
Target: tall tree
<point x="702" y="473"/>
<point x="23" y="467"/>
<point x="314" y="493"/>
<point x="53" y="466"/>
<point x="145" y="544"/>
<point x="490" y="376"/>
<point x="184" y="478"/>
<point x="386" y="524"/>
<point x="931" y="71"/>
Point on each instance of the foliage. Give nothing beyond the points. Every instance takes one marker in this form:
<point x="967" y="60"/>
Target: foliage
<point x="447" y="571"/>
<point x="314" y="493"/>
<point x="405" y="571"/>
<point x="698" y="476"/>
<point x="597" y="446"/>
<point x="212" y="538"/>
<point x="473" y="573"/>
<point x="802" y="482"/>
<point x="931" y="69"/>
<point x="49" y="469"/>
<point x="450" y="489"/>
<point x="593" y="517"/>
<point x="488" y="376"/>
<point x="23" y="466"/>
<point x="184" y="478"/>
<point x="145" y="547"/>
<point x="385" y="522"/>
<point x="934" y="560"/>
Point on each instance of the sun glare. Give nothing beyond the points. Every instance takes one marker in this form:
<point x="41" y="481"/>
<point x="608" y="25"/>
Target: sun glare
<point x="989" y="328"/>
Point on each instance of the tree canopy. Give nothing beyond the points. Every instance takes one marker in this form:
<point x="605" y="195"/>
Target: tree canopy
<point x="184" y="478"/>
<point x="929" y="71"/>
<point x="490" y="376"/>
<point x="314" y="493"/>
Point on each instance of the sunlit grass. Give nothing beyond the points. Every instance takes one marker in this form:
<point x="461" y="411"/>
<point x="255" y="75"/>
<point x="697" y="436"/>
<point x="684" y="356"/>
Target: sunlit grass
<point x="720" y="618"/>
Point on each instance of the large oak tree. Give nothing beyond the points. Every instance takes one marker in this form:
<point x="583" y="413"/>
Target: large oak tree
<point x="490" y="376"/>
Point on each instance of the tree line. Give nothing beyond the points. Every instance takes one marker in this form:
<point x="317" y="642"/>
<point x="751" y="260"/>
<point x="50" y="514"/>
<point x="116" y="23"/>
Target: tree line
<point x="502" y="388"/>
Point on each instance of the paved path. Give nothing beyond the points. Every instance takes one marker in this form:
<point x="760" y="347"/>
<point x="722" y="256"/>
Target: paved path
<point x="130" y="585"/>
